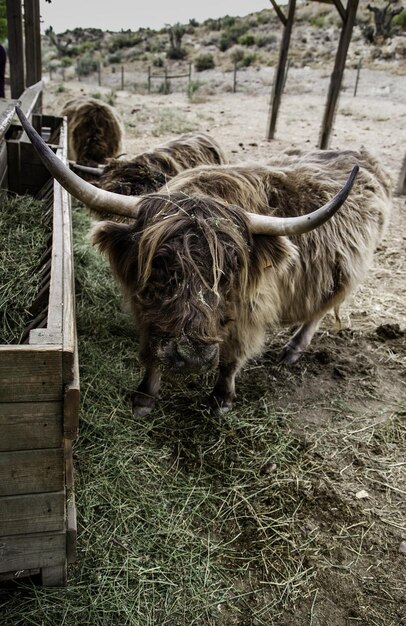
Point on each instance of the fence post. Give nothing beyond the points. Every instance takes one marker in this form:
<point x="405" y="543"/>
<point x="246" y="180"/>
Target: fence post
<point x="357" y="79"/>
<point x="122" y="78"/>
<point x="235" y="77"/>
<point x="149" y="79"/>
<point x="99" y="73"/>
<point x="190" y="74"/>
<point x="165" y="80"/>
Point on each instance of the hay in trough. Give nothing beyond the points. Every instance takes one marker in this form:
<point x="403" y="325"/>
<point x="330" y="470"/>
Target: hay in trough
<point x="24" y="232"/>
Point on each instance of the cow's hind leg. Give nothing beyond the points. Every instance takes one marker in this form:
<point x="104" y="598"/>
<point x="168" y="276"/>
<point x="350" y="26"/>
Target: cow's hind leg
<point x="292" y="351"/>
<point x="144" y="399"/>
<point x="223" y="394"/>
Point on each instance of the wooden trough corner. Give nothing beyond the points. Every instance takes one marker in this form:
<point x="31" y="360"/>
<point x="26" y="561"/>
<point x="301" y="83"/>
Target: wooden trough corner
<point x="39" y="384"/>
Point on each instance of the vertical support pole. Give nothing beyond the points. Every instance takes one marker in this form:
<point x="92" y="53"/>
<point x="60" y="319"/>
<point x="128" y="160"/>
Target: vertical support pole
<point x="338" y="71"/>
<point x="99" y="73"/>
<point x="32" y="42"/>
<point x="15" y="47"/>
<point x="357" y="79"/>
<point x="235" y="77"/>
<point x="149" y="79"/>
<point x="165" y="80"/>
<point x="401" y="187"/>
<point x="122" y="78"/>
<point x="280" y="72"/>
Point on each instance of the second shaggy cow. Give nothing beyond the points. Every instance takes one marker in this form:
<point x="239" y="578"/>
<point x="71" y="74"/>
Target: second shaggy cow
<point x="95" y="132"/>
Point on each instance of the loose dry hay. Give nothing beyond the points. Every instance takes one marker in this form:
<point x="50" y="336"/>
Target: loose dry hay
<point x="24" y="233"/>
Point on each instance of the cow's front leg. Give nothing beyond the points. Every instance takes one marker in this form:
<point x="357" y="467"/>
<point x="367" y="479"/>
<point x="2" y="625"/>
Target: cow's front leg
<point x="144" y="399"/>
<point x="223" y="394"/>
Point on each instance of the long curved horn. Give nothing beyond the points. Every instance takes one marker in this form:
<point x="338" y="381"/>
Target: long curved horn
<point x="271" y="225"/>
<point x="87" y="169"/>
<point x="95" y="198"/>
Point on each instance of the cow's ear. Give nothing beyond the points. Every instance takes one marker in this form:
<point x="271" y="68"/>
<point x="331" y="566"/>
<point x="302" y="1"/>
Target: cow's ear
<point x="117" y="243"/>
<point x="272" y="252"/>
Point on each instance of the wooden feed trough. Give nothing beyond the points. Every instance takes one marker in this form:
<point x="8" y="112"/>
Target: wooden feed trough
<point x="39" y="380"/>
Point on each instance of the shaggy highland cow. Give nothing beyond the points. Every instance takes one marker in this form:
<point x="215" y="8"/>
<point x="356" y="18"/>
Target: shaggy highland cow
<point x="94" y="131"/>
<point x="223" y="252"/>
<point x="151" y="170"/>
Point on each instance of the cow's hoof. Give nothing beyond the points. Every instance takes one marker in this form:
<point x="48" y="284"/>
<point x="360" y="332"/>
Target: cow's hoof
<point x="289" y="355"/>
<point x="220" y="406"/>
<point x="141" y="404"/>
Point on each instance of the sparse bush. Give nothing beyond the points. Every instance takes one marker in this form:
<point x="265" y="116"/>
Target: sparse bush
<point x="193" y="90"/>
<point x="111" y="98"/>
<point x="231" y="36"/>
<point x="248" y="39"/>
<point x="400" y="20"/>
<point x="86" y="65"/>
<point x="212" y="24"/>
<point x="66" y="62"/>
<point x="236" y="54"/>
<point x="248" y="59"/>
<point x="318" y="21"/>
<point x="158" y="62"/>
<point x="124" y="40"/>
<point x="115" y="57"/>
<point x="165" y="87"/>
<point x="96" y="95"/>
<point x="193" y="22"/>
<point x="204" y="62"/>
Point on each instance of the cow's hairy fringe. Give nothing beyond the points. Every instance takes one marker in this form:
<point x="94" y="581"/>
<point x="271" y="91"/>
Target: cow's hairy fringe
<point x="185" y="215"/>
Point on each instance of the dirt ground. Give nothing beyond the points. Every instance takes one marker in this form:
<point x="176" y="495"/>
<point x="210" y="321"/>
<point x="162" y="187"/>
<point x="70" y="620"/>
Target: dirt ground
<point x="346" y="397"/>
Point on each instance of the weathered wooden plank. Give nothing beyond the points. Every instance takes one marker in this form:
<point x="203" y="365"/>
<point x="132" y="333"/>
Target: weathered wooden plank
<point x="71" y="532"/>
<point x="3" y="165"/>
<point x="15" y="47"/>
<point x="30" y="425"/>
<point x="32" y="41"/>
<point x="22" y="573"/>
<point x="33" y="513"/>
<point x="54" y="576"/>
<point x="72" y="400"/>
<point x="30" y="373"/>
<point x="31" y="471"/>
<point x="19" y="552"/>
<point x="69" y="481"/>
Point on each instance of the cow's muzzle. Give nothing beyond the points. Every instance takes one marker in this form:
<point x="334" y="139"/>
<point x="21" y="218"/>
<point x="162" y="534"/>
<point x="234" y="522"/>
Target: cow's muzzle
<point x="187" y="355"/>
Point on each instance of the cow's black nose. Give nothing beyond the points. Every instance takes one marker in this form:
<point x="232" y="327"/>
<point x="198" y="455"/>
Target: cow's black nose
<point x="193" y="355"/>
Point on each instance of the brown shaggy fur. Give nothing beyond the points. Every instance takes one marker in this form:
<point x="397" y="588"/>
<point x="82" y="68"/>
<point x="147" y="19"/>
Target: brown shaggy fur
<point x="94" y="131"/>
<point x="195" y="275"/>
<point x="151" y="170"/>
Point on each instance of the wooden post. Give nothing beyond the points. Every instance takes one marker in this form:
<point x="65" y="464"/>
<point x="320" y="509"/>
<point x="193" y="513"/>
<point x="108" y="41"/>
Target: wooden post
<point x="15" y="47"/>
<point x="165" y="80"/>
<point x="286" y="75"/>
<point x="190" y="74"/>
<point x="122" y="78"/>
<point x="99" y="73"/>
<point x="338" y="71"/>
<point x="280" y="72"/>
<point x="357" y="79"/>
<point x="401" y="187"/>
<point x="235" y="77"/>
<point x="149" y="79"/>
<point x="32" y="42"/>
